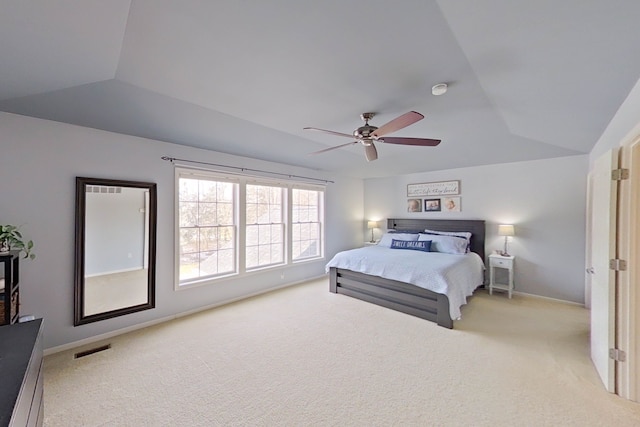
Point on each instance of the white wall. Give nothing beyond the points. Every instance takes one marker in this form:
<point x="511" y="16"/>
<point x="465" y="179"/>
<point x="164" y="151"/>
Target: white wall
<point x="544" y="199"/>
<point x="39" y="161"/>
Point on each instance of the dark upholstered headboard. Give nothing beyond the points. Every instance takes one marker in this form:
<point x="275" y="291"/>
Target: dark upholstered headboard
<point x="476" y="227"/>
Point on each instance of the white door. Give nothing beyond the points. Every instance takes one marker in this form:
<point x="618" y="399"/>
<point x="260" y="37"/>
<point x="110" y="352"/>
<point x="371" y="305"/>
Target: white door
<point x="602" y="246"/>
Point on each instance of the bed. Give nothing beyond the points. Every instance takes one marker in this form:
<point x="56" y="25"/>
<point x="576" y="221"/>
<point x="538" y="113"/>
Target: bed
<point x="406" y="297"/>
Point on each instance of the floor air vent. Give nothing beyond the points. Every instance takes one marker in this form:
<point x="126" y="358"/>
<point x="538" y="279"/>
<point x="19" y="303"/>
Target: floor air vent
<point x="91" y="351"/>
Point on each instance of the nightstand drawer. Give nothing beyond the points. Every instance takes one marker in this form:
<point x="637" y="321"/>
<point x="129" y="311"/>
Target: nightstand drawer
<point x="500" y="262"/>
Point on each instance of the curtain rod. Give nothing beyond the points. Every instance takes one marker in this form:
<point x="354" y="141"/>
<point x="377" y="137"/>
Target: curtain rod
<point x="172" y="159"/>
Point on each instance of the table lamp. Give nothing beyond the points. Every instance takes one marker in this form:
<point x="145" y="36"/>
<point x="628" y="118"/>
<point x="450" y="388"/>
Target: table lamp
<point x="372" y="225"/>
<point x="505" y="230"/>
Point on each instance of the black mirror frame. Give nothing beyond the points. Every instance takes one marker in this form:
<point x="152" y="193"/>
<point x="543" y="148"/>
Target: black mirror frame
<point x="81" y="184"/>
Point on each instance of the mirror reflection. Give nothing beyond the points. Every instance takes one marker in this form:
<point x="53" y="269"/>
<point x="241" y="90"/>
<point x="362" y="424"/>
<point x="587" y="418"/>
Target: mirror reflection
<point x="115" y="248"/>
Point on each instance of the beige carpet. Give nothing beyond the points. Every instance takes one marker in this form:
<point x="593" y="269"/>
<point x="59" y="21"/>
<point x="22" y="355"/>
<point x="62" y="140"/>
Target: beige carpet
<point x="303" y="356"/>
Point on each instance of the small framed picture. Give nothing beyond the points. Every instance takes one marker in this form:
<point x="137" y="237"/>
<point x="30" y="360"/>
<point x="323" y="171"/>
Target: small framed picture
<point x="414" y="205"/>
<point x="451" y="204"/>
<point x="432" y="205"/>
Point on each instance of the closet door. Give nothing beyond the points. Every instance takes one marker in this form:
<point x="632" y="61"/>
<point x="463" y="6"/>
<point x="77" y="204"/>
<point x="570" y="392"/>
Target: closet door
<point x="602" y="248"/>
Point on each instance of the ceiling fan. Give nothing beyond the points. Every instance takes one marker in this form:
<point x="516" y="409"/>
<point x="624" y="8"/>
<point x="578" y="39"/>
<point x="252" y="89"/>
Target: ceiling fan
<point x="367" y="134"/>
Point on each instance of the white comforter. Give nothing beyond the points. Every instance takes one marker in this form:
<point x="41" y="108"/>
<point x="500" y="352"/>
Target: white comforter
<point x="456" y="276"/>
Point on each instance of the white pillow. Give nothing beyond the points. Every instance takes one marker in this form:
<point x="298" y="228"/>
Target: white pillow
<point x="445" y="244"/>
<point x="386" y="238"/>
<point x="464" y="234"/>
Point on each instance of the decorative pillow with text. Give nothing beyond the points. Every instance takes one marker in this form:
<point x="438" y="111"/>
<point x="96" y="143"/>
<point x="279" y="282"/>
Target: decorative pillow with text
<point x="424" y="245"/>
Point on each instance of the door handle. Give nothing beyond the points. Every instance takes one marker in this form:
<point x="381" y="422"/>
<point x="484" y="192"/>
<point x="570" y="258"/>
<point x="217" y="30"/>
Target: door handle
<point x="590" y="270"/>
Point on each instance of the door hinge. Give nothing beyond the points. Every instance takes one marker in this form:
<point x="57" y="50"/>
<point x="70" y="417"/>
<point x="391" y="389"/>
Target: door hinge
<point x="617" y="264"/>
<point x="619" y="174"/>
<point x="617" y="355"/>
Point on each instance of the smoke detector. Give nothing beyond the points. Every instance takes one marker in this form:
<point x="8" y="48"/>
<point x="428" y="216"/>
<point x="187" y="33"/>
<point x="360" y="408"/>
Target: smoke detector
<point x="439" y="89"/>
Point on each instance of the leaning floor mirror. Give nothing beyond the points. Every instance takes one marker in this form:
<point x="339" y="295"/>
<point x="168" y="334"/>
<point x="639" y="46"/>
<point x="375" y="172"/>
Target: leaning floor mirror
<point x="115" y="248"/>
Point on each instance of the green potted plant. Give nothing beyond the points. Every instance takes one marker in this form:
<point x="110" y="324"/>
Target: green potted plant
<point x="11" y="239"/>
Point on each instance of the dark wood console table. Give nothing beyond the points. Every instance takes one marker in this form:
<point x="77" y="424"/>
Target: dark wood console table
<point x="21" y="392"/>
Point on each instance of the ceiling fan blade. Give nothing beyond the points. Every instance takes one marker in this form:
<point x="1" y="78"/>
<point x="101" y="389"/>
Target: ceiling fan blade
<point x="398" y="123"/>
<point x="333" y="148"/>
<point x="331" y="132"/>
<point x="370" y="152"/>
<point x="424" y="142"/>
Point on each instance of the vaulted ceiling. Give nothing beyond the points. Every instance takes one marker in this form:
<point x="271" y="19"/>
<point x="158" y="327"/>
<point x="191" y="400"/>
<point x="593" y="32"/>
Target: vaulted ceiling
<point x="527" y="79"/>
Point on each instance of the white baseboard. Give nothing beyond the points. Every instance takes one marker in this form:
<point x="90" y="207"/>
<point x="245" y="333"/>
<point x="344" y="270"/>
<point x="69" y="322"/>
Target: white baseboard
<point x="107" y="335"/>
<point x="564" y="301"/>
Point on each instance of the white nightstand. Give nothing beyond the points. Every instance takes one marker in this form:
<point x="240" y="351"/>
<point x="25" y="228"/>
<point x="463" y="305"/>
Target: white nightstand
<point x="370" y="243"/>
<point x="499" y="261"/>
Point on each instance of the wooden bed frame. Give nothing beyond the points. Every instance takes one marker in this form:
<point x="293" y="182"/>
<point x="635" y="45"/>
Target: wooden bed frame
<point x="402" y="296"/>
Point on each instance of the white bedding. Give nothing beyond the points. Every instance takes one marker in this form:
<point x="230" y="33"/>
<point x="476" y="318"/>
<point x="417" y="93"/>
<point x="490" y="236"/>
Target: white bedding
<point x="456" y="276"/>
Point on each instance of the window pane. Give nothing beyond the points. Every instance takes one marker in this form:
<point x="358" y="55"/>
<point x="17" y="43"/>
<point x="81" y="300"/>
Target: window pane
<point x="312" y="214"/>
<point x="303" y="215"/>
<point x="252" y="256"/>
<point x="188" y="214"/>
<point x="207" y="214"/>
<point x="264" y="207"/>
<point x="226" y="237"/>
<point x="189" y="240"/>
<point x="189" y="266"/>
<point x="225" y="213"/>
<point x="314" y="231"/>
<point x="226" y="192"/>
<point x="264" y="255"/>
<point x="296" y="250"/>
<point x="303" y="198"/>
<point x="252" y="216"/>
<point x="207" y="191"/>
<point x="252" y="235"/>
<point x="277" y="253"/>
<point x="188" y="190"/>
<point x="264" y="234"/>
<point x="206" y="248"/>
<point x="306" y="217"/>
<point x="251" y="194"/>
<point x="208" y="263"/>
<point x="226" y="261"/>
<point x="276" y="214"/>
<point x="277" y="233"/>
<point x="208" y="239"/>
<point x="262" y="210"/>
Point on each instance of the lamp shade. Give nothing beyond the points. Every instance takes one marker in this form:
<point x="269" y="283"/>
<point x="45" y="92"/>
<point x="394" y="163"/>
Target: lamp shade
<point x="372" y="224"/>
<point x="505" y="230"/>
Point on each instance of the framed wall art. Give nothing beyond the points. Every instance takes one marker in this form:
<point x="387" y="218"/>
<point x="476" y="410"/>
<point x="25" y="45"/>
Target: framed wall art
<point x="414" y="205"/>
<point x="451" y="204"/>
<point x="441" y="188"/>
<point x="432" y="205"/>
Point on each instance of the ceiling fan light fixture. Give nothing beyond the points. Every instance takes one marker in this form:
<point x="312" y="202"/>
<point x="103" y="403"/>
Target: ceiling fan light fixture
<point x="439" y="89"/>
<point x="370" y="152"/>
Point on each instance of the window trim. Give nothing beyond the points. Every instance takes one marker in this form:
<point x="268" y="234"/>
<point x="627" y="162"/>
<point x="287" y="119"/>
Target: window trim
<point x="241" y="226"/>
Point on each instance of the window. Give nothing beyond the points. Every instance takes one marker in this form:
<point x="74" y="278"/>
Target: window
<point x="265" y="226"/>
<point x="305" y="221"/>
<point x="207" y="228"/>
<point x="231" y="226"/>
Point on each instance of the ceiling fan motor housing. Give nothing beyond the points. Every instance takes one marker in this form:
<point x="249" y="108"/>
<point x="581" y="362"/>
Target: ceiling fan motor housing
<point x="364" y="132"/>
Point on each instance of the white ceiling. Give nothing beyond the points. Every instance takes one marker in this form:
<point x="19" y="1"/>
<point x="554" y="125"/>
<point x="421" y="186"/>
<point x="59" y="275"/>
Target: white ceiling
<point x="528" y="79"/>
